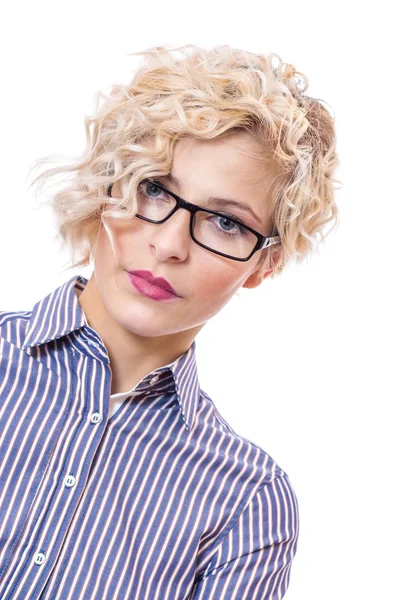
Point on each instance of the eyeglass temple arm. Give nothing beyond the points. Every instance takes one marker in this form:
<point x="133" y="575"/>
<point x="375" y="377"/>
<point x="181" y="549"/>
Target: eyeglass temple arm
<point x="269" y="241"/>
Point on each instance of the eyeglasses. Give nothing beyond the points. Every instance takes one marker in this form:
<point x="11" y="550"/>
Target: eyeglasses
<point x="217" y="232"/>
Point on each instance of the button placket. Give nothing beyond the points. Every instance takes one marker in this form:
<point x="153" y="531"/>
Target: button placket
<point x="95" y="417"/>
<point x="70" y="481"/>
<point x="39" y="558"/>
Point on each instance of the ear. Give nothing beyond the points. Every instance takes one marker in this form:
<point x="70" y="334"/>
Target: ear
<point x="256" y="278"/>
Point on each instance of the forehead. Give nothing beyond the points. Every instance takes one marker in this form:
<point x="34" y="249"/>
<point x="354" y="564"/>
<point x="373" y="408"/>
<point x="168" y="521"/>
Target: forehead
<point x="228" y="167"/>
<point x="233" y="159"/>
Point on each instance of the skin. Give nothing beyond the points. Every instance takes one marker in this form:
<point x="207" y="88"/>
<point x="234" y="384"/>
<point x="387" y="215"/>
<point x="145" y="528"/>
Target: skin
<point x="142" y="334"/>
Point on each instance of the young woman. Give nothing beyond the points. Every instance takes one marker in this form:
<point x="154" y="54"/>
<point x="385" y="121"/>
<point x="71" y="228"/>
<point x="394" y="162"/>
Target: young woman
<point x="206" y="173"/>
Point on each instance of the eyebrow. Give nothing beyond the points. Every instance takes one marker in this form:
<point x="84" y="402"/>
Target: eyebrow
<point x="223" y="202"/>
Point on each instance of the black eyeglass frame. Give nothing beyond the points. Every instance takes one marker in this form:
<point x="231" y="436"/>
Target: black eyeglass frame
<point x="262" y="240"/>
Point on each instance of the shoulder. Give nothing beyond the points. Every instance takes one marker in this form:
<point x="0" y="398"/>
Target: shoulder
<point x="262" y="523"/>
<point x="7" y="316"/>
<point x="247" y="457"/>
<point x="13" y="325"/>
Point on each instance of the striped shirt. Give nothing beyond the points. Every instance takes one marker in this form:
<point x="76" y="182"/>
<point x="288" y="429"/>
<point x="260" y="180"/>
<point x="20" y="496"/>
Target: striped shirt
<point x="146" y="495"/>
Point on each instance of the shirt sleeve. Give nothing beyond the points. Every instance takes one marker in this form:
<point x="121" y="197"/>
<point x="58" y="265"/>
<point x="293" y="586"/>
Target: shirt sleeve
<point x="254" y="560"/>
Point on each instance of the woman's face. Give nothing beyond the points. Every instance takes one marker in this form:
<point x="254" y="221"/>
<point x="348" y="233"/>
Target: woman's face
<point x="204" y="281"/>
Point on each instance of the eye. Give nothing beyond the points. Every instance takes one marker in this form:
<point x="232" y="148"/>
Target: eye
<point x="150" y="189"/>
<point x="223" y="220"/>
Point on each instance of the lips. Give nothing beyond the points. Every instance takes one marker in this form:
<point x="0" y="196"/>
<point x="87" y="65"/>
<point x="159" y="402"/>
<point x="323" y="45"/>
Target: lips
<point x="159" y="281"/>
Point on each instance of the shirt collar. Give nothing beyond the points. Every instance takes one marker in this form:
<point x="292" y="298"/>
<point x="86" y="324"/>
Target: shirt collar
<point x="60" y="313"/>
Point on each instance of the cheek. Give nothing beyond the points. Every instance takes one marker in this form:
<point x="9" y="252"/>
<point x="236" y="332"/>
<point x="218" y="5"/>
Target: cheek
<point x="102" y="245"/>
<point x="216" y="284"/>
<point x="116" y="242"/>
<point x="216" y="281"/>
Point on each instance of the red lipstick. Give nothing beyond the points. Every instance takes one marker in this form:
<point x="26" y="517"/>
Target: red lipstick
<point x="146" y="283"/>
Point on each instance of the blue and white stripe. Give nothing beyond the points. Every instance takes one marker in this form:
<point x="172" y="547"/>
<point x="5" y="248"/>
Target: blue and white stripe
<point x="161" y="500"/>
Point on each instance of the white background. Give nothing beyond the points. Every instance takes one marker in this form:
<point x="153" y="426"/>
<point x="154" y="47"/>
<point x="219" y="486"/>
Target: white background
<point x="306" y="365"/>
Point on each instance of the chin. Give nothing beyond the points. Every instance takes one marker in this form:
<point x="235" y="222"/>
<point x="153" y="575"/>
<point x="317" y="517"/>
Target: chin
<point x="144" y="324"/>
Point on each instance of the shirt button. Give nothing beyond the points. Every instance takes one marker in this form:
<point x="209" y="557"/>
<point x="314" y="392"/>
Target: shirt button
<point x="93" y="344"/>
<point x="70" y="481"/>
<point x="39" y="558"/>
<point x="95" y="417"/>
<point x="154" y="379"/>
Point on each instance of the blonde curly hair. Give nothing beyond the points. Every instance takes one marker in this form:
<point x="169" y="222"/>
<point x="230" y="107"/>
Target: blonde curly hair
<point x="203" y="94"/>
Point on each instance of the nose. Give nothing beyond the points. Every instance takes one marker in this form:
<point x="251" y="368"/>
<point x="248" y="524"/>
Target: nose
<point x="172" y="238"/>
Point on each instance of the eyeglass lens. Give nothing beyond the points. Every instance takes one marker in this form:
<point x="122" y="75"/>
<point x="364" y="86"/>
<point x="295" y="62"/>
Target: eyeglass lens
<point x="217" y="232"/>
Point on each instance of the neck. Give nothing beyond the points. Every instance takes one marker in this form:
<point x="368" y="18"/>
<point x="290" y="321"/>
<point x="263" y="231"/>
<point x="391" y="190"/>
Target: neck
<point x="132" y="356"/>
